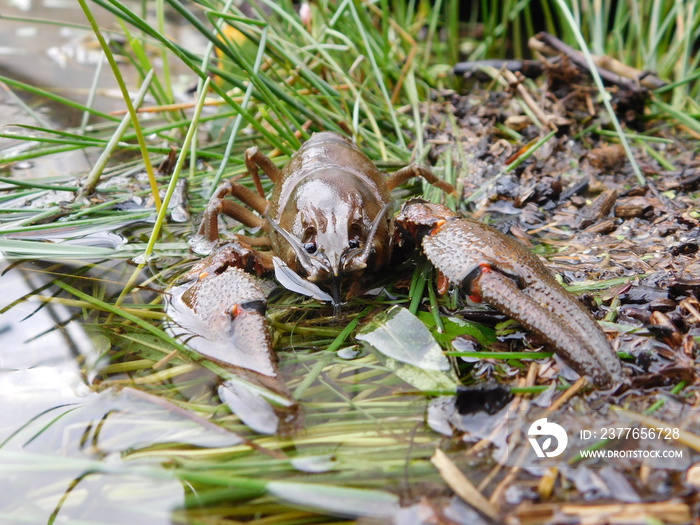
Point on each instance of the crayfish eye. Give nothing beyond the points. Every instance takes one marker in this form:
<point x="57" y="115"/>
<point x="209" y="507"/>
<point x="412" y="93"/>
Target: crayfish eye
<point x="309" y="240"/>
<point x="355" y="236"/>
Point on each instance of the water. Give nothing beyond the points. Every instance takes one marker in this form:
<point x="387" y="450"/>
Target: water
<point x="61" y="438"/>
<point x="78" y="444"/>
<point x="51" y="416"/>
<point x="63" y="59"/>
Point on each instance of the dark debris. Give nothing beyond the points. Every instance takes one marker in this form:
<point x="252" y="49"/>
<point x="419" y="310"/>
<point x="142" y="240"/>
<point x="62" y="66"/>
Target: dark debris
<point x="577" y="202"/>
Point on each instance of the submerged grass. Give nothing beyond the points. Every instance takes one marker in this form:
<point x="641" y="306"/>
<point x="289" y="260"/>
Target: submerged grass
<point x="349" y="67"/>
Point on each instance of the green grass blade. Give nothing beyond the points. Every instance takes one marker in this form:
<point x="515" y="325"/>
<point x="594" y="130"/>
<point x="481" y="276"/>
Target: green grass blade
<point x="574" y="27"/>
<point x="101" y="163"/>
<point x="127" y="100"/>
<point x="176" y="172"/>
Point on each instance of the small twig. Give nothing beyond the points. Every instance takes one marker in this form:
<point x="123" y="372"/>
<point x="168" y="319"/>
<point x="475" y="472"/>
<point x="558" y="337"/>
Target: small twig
<point x="687" y="304"/>
<point x="597" y="80"/>
<point x="527" y="99"/>
<point x="497" y="496"/>
<point x="165" y="108"/>
<point x="459" y="483"/>
<point x="672" y="511"/>
<point x="546" y="485"/>
<point x="682" y="436"/>
<point x="578" y="58"/>
<point x="165" y="360"/>
<point x="528" y="68"/>
<point x="571" y="392"/>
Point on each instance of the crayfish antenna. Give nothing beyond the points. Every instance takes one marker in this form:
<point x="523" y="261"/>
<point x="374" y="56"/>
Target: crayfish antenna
<point x="373" y="232"/>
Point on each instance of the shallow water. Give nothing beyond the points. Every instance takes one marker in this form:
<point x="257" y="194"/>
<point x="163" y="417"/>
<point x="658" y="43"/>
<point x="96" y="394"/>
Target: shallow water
<point x="63" y="60"/>
<point x="48" y="412"/>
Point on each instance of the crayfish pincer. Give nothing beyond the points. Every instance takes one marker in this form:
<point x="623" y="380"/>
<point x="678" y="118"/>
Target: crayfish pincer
<point x="499" y="270"/>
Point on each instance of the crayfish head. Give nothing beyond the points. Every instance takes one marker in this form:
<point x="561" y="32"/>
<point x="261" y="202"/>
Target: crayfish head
<point x="334" y="237"/>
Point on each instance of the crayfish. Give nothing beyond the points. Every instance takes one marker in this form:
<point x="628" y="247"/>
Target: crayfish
<point x="329" y="222"/>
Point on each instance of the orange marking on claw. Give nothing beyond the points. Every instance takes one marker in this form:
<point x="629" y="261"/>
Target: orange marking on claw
<point x="236" y="310"/>
<point x="440" y="223"/>
<point x="203" y="275"/>
<point x="485" y="268"/>
<point x="443" y="283"/>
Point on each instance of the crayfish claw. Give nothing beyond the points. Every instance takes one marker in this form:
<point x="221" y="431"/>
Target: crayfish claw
<point x="505" y="274"/>
<point x="571" y="330"/>
<point x="219" y="310"/>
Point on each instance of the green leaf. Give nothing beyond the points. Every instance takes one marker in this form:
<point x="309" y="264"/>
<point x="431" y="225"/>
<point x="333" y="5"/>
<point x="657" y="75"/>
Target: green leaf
<point x="455" y="327"/>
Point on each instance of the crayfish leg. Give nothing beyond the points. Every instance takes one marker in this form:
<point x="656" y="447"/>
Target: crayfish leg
<point x="400" y="176"/>
<point x="255" y="159"/>
<point x="209" y="228"/>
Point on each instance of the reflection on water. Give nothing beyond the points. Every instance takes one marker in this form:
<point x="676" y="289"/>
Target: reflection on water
<point x="106" y="425"/>
<point x="78" y="491"/>
<point x="54" y="426"/>
<point x="63" y="57"/>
